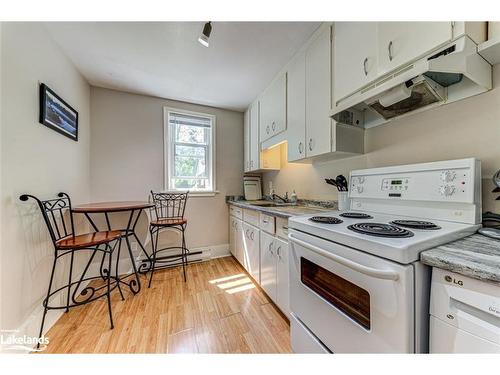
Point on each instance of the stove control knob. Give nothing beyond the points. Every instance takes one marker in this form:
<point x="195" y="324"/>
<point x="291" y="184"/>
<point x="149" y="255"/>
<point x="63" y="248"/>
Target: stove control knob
<point x="448" y="176"/>
<point x="359" y="188"/>
<point x="447" y="190"/>
<point x="361" y="179"/>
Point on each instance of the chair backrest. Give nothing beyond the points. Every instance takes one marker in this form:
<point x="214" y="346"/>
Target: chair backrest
<point x="169" y="205"/>
<point x="57" y="214"/>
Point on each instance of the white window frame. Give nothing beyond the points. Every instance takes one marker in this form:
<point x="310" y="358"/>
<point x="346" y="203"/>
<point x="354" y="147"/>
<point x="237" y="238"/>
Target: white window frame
<point x="168" y="154"/>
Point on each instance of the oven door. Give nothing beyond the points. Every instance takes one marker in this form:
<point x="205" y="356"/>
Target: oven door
<point x="352" y="301"/>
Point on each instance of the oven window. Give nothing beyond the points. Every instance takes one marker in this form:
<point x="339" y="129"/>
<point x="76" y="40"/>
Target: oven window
<point x="344" y="295"/>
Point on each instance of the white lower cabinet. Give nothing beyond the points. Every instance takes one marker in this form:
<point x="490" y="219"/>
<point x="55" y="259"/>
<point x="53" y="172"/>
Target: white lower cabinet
<point x="268" y="265"/>
<point x="251" y="250"/>
<point x="274" y="271"/>
<point x="236" y="238"/>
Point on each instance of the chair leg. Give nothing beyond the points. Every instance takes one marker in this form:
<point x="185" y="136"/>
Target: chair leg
<point x="70" y="277"/>
<point x="154" y="245"/>
<point x="184" y="255"/>
<point x="117" y="276"/>
<point x="109" y="290"/>
<point x="46" y="301"/>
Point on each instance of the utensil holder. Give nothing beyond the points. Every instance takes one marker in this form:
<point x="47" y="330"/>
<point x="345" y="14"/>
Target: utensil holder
<point x="343" y="201"/>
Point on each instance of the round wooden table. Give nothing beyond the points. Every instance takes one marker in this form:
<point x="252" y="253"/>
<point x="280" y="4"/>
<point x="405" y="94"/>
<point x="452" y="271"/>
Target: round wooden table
<point x="135" y="208"/>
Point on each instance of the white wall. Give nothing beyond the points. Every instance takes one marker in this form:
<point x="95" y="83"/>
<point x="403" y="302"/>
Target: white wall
<point x="36" y="160"/>
<point x="468" y="128"/>
<point x="127" y="158"/>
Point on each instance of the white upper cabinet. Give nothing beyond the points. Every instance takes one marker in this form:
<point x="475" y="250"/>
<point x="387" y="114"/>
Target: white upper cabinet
<point x="318" y="94"/>
<point x="273" y="109"/>
<point x="296" y="108"/>
<point x="246" y="141"/>
<point x="402" y="42"/>
<point x="355" y="56"/>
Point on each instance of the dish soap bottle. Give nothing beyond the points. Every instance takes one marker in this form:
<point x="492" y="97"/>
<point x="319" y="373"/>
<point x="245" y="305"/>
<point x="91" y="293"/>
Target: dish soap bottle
<point x="293" y="197"/>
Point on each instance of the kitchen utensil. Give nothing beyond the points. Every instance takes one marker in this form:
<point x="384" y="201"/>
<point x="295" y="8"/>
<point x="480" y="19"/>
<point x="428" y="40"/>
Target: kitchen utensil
<point x="332" y="182"/>
<point x="342" y="182"/>
<point x="496" y="179"/>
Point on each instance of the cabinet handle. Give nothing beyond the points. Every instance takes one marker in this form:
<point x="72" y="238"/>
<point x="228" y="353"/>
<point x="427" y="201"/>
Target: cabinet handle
<point x="267" y="129"/>
<point x="278" y="252"/>
<point x="389" y="48"/>
<point x="265" y="221"/>
<point x="273" y="126"/>
<point x="252" y="235"/>
<point x="271" y="248"/>
<point x="301" y="148"/>
<point x="310" y="144"/>
<point x="246" y="233"/>
<point x="364" y="66"/>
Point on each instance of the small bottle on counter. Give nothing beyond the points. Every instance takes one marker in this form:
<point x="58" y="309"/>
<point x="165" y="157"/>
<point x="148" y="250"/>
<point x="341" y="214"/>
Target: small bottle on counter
<point x="293" y="197"/>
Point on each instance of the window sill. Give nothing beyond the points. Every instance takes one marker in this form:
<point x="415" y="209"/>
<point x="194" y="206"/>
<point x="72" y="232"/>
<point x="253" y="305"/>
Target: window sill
<point x="203" y="193"/>
<point x="196" y="193"/>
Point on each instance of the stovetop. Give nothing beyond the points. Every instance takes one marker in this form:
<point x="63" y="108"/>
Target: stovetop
<point x="405" y="243"/>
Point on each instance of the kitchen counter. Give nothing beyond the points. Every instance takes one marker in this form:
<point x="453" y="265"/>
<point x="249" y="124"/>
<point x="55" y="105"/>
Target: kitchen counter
<point x="476" y="256"/>
<point x="285" y="211"/>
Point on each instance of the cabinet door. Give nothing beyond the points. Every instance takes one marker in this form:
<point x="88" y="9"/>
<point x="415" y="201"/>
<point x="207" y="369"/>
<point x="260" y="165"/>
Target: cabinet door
<point x="232" y="237"/>
<point x="282" y="278"/>
<point x="267" y="265"/>
<point x="246" y="141"/>
<point x="240" y="242"/>
<point x="318" y="95"/>
<point x="354" y="57"/>
<point x="254" y="137"/>
<point x="401" y="42"/>
<point x="252" y="251"/>
<point x="273" y="109"/>
<point x="296" y="108"/>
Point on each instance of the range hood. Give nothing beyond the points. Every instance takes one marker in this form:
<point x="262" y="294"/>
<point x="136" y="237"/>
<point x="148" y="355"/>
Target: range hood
<point x="454" y="72"/>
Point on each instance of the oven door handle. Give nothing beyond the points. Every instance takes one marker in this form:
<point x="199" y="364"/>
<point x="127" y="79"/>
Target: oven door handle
<point x="380" y="274"/>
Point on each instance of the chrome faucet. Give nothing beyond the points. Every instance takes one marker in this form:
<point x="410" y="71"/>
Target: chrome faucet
<point x="284" y="199"/>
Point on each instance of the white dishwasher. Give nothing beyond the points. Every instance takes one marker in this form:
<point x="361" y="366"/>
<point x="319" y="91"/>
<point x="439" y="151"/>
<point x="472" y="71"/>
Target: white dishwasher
<point x="464" y="314"/>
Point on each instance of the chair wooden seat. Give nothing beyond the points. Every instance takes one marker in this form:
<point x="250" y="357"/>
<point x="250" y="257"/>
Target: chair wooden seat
<point x="167" y="222"/>
<point x="87" y="240"/>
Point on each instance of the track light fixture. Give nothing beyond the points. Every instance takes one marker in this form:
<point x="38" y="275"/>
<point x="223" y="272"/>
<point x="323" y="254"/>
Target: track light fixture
<point x="207" y="29"/>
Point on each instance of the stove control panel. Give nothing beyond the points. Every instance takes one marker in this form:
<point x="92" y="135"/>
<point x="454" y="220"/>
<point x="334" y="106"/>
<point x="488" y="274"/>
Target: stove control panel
<point x="450" y="190"/>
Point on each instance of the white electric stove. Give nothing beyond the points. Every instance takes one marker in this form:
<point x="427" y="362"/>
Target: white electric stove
<point x="356" y="283"/>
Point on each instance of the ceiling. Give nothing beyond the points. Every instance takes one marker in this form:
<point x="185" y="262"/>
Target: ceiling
<point x="164" y="59"/>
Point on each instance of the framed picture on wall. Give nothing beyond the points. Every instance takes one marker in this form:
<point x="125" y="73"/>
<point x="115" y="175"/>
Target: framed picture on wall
<point x="56" y="114"/>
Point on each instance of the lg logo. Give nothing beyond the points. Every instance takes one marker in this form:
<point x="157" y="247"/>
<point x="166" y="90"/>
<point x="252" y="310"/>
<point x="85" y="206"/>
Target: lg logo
<point x="450" y="279"/>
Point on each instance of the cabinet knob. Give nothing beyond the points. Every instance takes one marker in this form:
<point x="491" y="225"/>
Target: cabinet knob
<point x="310" y="144"/>
<point x="365" y="69"/>
<point x="389" y="49"/>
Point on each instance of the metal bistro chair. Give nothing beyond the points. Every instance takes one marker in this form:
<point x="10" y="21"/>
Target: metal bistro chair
<point x="168" y="212"/>
<point x="58" y="216"/>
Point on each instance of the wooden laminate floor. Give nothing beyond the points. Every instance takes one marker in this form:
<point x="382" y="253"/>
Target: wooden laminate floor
<point x="218" y="310"/>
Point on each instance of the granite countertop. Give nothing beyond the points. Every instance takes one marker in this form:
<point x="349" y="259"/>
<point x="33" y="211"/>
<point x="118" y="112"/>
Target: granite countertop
<point x="302" y="208"/>
<point x="476" y="256"/>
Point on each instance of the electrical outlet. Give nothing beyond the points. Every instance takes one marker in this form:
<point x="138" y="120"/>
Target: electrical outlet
<point x="134" y="246"/>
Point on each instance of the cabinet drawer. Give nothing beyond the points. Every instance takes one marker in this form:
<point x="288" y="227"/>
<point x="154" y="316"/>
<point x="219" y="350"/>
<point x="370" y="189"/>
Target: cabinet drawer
<point x="282" y="228"/>
<point x="236" y="212"/>
<point x="251" y="217"/>
<point x="267" y="223"/>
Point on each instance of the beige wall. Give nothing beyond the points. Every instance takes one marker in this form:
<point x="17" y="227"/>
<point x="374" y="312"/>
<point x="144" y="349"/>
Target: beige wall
<point x="36" y="160"/>
<point x="127" y="158"/>
<point x="468" y="128"/>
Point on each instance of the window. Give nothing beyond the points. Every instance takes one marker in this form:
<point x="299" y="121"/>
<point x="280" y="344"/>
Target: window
<point x="190" y="154"/>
